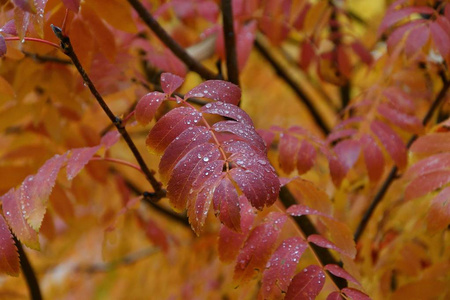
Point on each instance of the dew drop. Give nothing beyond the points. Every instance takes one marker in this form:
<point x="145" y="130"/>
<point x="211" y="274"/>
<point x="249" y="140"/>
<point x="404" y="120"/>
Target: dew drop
<point x="205" y="158"/>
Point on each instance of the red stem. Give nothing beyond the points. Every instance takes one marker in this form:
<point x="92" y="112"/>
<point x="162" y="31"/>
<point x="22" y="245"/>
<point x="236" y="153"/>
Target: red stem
<point x="30" y="39"/>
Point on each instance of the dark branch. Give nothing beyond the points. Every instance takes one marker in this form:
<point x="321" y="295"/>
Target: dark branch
<point x="308" y="228"/>
<point x="293" y="85"/>
<point x="66" y="46"/>
<point x="190" y="62"/>
<point x="46" y="58"/>
<point x="28" y="272"/>
<point x="393" y="173"/>
<point x="230" y="42"/>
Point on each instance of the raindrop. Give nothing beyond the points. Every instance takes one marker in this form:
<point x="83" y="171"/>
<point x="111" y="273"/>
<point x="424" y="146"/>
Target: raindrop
<point x="205" y="158"/>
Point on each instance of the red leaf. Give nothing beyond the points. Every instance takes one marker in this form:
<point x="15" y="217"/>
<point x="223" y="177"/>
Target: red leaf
<point x="400" y="100"/>
<point x="170" y="82"/>
<point x="258" y="247"/>
<point x="231" y="241"/>
<point x="355" y="294"/>
<point x="307" y="55"/>
<point x="406" y="122"/>
<point x="245" y="38"/>
<point x="9" y="258"/>
<point x="335" y="296"/>
<point x="441" y="38"/>
<point x="301" y="210"/>
<point x="3" y="47"/>
<point x="281" y="267"/>
<point x="218" y="90"/>
<point x="73" y="5"/>
<point x="324" y="243"/>
<point x="348" y="152"/>
<point x="344" y="63"/>
<point x="307" y="284"/>
<point x="227" y="110"/>
<point x="438" y="217"/>
<point x="186" y="141"/>
<point x="341" y="235"/>
<point x="16" y="220"/>
<point x="170" y="126"/>
<point x="440" y="161"/>
<point x="110" y="139"/>
<point x="432" y="143"/>
<point x="156" y="235"/>
<point x="339" y="272"/>
<point x="391" y="141"/>
<point x="35" y="192"/>
<point x="78" y="160"/>
<point x="337" y="170"/>
<point x="226" y="204"/>
<point x="246" y="132"/>
<point x="340" y="134"/>
<point x="427" y="183"/>
<point x="393" y="17"/>
<point x="187" y="170"/>
<point x="147" y="107"/>
<point x="306" y="157"/>
<point x="373" y="158"/>
<point x="416" y="39"/>
<point x="288" y="149"/>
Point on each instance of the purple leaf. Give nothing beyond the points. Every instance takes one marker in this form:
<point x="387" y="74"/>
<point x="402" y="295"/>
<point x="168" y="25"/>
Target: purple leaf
<point x="335" y="296"/>
<point x="9" y="258"/>
<point x="348" y="152"/>
<point x="226" y="204"/>
<point x="9" y="28"/>
<point x="147" y="107"/>
<point x="170" y="82"/>
<point x="258" y="247"/>
<point x="339" y="272"/>
<point x="170" y="126"/>
<point x="281" y="267"/>
<point x="406" y="122"/>
<point x="307" y="284"/>
<point x="227" y="110"/>
<point x="188" y="139"/>
<point x="78" y="160"/>
<point x="218" y="90"/>
<point x="441" y="38"/>
<point x="391" y="141"/>
<point x="246" y="132"/>
<point x="416" y="39"/>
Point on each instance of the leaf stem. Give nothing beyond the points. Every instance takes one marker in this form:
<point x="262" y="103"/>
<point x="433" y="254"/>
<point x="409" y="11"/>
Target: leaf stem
<point x="230" y="42"/>
<point x="28" y="272"/>
<point x="293" y="85"/>
<point x="189" y="61"/>
<point x="393" y="173"/>
<point x="67" y="48"/>
<point x="118" y="161"/>
<point x="30" y="39"/>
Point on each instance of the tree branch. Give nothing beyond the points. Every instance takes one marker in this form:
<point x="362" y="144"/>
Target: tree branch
<point x="190" y="62"/>
<point x="67" y="48"/>
<point x="293" y="85"/>
<point x="308" y="228"/>
<point x="393" y="173"/>
<point x="28" y="272"/>
<point x="230" y="42"/>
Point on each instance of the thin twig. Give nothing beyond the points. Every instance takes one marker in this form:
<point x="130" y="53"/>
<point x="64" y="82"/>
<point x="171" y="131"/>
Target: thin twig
<point x="67" y="48"/>
<point x="230" y="42"/>
<point x="190" y="62"/>
<point x="293" y="85"/>
<point x="308" y="228"/>
<point x="28" y="272"/>
<point x="393" y="173"/>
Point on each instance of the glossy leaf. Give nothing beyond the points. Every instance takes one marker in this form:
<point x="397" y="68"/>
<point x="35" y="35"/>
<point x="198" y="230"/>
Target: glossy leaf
<point x="391" y="141"/>
<point x="78" y="160"/>
<point x="302" y="210"/>
<point x="227" y="110"/>
<point x="230" y="241"/>
<point x="147" y="107"/>
<point x="216" y="90"/>
<point x="243" y="131"/>
<point x="258" y="247"/>
<point x="226" y="204"/>
<point x="170" y="126"/>
<point x="9" y="258"/>
<point x="170" y="82"/>
<point x="16" y="220"/>
<point x="307" y="284"/>
<point x="35" y="192"/>
<point x="339" y="272"/>
<point x="355" y="294"/>
<point x="281" y="267"/>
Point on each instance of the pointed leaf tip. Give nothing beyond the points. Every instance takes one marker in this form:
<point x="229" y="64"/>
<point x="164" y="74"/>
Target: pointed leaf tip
<point x="147" y="107"/>
<point x="307" y="284"/>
